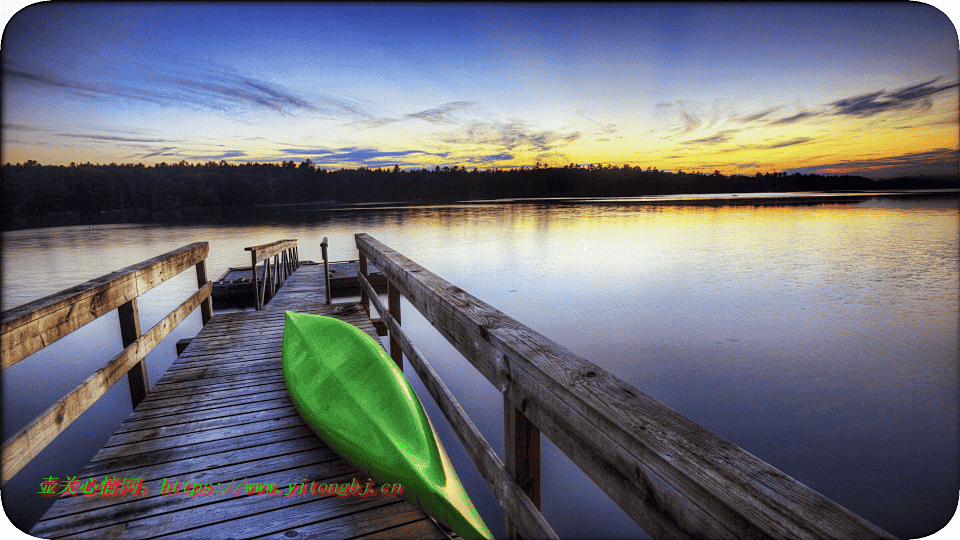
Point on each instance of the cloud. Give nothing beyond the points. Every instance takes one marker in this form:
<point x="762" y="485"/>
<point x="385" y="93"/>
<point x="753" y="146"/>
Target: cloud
<point x="760" y="115"/>
<point x="720" y="137"/>
<point x="442" y="114"/>
<point x="791" y="142"/>
<point x="223" y="91"/>
<point x="23" y="127"/>
<point x="487" y="158"/>
<point x="938" y="161"/>
<point x="917" y="95"/>
<point x="109" y="138"/>
<point x="748" y="165"/>
<point x="510" y="136"/>
<point x="604" y="129"/>
<point x="795" y="118"/>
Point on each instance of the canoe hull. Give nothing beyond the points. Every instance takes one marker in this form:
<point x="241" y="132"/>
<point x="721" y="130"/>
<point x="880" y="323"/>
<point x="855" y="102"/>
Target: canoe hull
<point x="353" y="395"/>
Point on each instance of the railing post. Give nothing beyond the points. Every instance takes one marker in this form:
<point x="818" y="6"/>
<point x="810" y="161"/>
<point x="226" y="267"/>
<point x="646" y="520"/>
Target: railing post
<point x="256" y="285"/>
<point x="326" y="270"/>
<point x="521" y="440"/>
<point x="206" y="308"/>
<point x="129" y="333"/>
<point x="393" y="306"/>
<point x="363" y="293"/>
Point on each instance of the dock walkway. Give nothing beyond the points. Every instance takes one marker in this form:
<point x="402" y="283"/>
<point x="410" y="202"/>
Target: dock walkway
<point x="221" y="416"/>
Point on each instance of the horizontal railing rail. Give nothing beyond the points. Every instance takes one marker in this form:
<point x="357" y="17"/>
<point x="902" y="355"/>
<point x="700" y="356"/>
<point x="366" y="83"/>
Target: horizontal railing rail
<point x="674" y="478"/>
<point x="520" y="509"/>
<point x="285" y="260"/>
<point x="31" y="327"/>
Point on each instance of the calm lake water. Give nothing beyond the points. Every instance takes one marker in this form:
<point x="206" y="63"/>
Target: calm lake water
<point x="823" y="339"/>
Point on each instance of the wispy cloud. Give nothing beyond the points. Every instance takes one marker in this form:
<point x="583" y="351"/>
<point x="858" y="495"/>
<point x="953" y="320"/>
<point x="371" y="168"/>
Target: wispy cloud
<point x="603" y="129"/>
<point x="938" y="161"/>
<point x="510" y="136"/>
<point x="218" y="90"/>
<point x="759" y="115"/>
<point x="109" y="138"/>
<point x="791" y="142"/>
<point x="795" y="118"/>
<point x="908" y="97"/>
<point x="719" y="137"/>
<point x="444" y="114"/>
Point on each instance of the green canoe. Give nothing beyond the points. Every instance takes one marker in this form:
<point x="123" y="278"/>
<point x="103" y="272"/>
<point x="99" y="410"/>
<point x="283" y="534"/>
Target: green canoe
<point x="353" y="395"/>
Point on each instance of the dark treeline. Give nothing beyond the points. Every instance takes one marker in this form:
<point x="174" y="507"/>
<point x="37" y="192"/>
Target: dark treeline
<point x="37" y="195"/>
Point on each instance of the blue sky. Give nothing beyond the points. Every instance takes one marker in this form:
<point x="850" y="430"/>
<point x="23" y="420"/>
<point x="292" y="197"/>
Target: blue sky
<point x="736" y="87"/>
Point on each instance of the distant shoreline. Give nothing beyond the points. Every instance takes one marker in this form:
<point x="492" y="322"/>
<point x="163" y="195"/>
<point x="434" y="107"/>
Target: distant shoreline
<point x="242" y="214"/>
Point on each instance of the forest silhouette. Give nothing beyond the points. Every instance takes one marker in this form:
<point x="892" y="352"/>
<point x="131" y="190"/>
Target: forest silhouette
<point x="35" y="195"/>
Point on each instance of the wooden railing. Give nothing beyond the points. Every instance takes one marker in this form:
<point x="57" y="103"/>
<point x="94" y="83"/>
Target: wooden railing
<point x="674" y="478"/>
<point x="33" y="326"/>
<point x="326" y="270"/>
<point x="285" y="260"/>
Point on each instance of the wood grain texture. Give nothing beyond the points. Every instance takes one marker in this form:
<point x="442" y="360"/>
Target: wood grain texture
<point x="523" y="513"/>
<point x="32" y="326"/>
<point x="35" y="436"/>
<point x="222" y="414"/>
<point x="270" y="249"/>
<point x="673" y="477"/>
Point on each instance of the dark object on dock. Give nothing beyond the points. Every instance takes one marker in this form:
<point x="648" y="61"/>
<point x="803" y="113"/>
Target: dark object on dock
<point x="235" y="286"/>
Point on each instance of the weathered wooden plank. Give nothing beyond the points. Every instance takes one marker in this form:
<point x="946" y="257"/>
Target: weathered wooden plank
<point x="206" y="308"/>
<point x="260" y="365"/>
<point x="254" y="431"/>
<point x="326" y="270"/>
<point x="29" y="441"/>
<point x="393" y="306"/>
<point x="521" y="440"/>
<point x="389" y="521"/>
<point x="212" y="390"/>
<point x="264" y="251"/>
<point x="167" y="459"/>
<point x="223" y="468"/>
<point x="423" y="528"/>
<point x="32" y="326"/>
<point x="137" y="377"/>
<point x="295" y="511"/>
<point x="673" y="477"/>
<point x="192" y="387"/>
<point x="210" y="400"/>
<point x="524" y="512"/>
<point x="156" y="514"/>
<point x="230" y="411"/>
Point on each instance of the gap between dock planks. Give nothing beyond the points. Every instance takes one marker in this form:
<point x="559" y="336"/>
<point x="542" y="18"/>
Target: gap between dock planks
<point x="222" y="412"/>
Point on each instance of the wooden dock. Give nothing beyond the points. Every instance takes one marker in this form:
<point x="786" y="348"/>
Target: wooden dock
<point x="221" y="416"/>
<point x="235" y="286"/>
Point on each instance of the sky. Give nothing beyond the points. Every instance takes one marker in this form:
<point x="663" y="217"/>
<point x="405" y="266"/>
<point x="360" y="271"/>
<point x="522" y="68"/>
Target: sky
<point x="867" y="89"/>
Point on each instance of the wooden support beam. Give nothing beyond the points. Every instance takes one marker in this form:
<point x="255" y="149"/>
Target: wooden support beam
<point x="393" y="305"/>
<point x="364" y="299"/>
<point x="182" y="345"/>
<point x="257" y="296"/>
<point x="206" y="308"/>
<point x="521" y="441"/>
<point x="326" y="270"/>
<point x="129" y="333"/>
